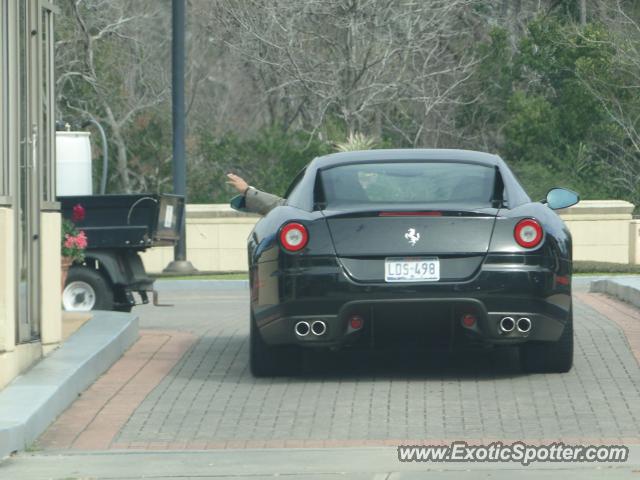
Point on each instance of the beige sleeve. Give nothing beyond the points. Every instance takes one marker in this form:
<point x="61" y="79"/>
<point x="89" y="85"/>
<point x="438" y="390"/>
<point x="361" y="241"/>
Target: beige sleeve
<point x="260" y="202"/>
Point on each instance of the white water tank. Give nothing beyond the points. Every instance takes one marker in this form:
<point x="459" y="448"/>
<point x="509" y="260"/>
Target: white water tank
<point x="73" y="164"/>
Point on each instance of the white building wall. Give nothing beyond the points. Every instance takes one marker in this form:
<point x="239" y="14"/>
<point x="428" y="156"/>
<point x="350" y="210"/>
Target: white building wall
<point x="217" y="236"/>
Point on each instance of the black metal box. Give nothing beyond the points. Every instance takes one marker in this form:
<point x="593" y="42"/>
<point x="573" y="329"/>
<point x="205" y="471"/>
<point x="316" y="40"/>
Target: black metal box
<point x="136" y="221"/>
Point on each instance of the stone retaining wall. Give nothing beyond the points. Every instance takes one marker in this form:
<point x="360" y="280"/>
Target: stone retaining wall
<point x="603" y="230"/>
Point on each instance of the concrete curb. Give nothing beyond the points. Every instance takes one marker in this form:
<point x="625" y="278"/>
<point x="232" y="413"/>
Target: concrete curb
<point x="326" y="463"/>
<point x="626" y="289"/>
<point x="195" y="284"/>
<point x="30" y="403"/>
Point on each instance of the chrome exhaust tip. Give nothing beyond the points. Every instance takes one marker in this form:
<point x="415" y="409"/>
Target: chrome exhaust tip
<point x="507" y="324"/>
<point x="524" y="325"/>
<point x="318" y="327"/>
<point x="302" y="329"/>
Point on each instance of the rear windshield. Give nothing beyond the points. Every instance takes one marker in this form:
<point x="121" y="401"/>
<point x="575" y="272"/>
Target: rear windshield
<point x="415" y="182"/>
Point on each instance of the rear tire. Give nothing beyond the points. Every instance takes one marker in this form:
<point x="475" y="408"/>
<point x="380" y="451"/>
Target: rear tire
<point x="549" y="357"/>
<point x="85" y="290"/>
<point x="268" y="361"/>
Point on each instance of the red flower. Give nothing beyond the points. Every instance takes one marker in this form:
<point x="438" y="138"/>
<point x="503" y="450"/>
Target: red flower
<point x="69" y="241"/>
<point x="81" y="240"/>
<point x="78" y="213"/>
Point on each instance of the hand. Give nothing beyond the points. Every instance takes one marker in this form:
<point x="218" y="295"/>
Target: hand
<point x="237" y="182"/>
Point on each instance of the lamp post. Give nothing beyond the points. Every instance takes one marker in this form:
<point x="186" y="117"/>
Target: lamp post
<point x="180" y="264"/>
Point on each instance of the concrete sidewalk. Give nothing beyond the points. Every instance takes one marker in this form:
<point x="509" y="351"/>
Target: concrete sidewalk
<point x="358" y="463"/>
<point x="625" y="288"/>
<point x="33" y="400"/>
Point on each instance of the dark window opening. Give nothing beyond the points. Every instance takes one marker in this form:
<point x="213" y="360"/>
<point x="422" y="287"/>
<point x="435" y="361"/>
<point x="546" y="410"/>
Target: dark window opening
<point x="409" y="182"/>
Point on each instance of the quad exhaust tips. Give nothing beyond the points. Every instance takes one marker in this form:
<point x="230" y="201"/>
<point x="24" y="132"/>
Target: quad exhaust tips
<point x="524" y="325"/>
<point x="302" y="329"/>
<point x="318" y="328"/>
<point x="507" y="324"/>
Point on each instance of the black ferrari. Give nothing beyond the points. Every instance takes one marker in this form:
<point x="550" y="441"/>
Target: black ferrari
<point x="422" y="248"/>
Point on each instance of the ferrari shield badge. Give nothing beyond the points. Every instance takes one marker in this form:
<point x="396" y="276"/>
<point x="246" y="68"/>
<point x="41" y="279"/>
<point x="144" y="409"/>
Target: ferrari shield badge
<point x="412" y="236"/>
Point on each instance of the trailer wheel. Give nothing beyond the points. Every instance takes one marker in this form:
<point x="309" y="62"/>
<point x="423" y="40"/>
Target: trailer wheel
<point x="85" y="290"/>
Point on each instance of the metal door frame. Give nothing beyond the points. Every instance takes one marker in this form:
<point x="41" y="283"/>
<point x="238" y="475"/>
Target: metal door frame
<point x="37" y="161"/>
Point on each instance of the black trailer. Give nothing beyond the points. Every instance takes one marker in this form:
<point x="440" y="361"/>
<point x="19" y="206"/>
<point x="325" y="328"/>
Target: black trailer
<point x="118" y="228"/>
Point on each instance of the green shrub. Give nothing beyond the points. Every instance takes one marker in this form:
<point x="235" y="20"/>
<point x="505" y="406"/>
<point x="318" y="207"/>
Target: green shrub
<point x="269" y="160"/>
<point x="604" y="267"/>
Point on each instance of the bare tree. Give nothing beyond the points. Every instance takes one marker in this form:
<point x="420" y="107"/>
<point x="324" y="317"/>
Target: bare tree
<point x="583" y="12"/>
<point x="406" y="72"/>
<point x="111" y="61"/>
<point x="619" y="93"/>
<point x="370" y="63"/>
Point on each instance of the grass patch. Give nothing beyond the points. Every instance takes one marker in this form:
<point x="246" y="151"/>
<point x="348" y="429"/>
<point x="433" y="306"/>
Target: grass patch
<point x="579" y="268"/>
<point x="204" y="276"/>
<point x="32" y="448"/>
<point x="604" y="268"/>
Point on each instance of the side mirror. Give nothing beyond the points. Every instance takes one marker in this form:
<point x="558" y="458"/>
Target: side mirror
<point x="238" y="203"/>
<point x="558" y="198"/>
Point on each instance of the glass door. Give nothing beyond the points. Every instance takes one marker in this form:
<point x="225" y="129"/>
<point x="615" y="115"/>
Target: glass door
<point x="34" y="178"/>
<point x="27" y="214"/>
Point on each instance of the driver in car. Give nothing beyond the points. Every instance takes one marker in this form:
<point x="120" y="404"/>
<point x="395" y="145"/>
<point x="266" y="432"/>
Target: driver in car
<point x="255" y="201"/>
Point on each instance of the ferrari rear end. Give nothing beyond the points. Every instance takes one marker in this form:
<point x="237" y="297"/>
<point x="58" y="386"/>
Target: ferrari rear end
<point x="420" y="254"/>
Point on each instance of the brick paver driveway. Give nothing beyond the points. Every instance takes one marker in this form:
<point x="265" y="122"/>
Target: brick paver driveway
<point x="207" y="398"/>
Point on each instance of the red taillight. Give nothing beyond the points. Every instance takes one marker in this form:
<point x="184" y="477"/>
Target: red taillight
<point x="469" y="320"/>
<point x="294" y="236"/>
<point x="528" y="233"/>
<point x="356" y="322"/>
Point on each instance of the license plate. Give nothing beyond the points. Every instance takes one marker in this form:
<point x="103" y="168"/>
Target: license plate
<point x="412" y="269"/>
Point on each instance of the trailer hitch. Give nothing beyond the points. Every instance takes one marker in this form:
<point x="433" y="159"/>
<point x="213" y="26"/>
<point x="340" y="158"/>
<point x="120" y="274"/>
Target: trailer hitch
<point x="145" y="299"/>
<point x="155" y="300"/>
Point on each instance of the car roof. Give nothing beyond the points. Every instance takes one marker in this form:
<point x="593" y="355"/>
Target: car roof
<point x="303" y="197"/>
<point x="405" y="154"/>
